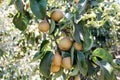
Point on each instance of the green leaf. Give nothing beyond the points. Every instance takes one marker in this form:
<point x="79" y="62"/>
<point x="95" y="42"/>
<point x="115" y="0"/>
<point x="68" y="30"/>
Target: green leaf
<point x="107" y="71"/>
<point x="100" y="0"/>
<point x="20" y="21"/>
<point x="92" y="68"/>
<point x="82" y="65"/>
<point x="45" y="64"/>
<point x="94" y="3"/>
<point x="44" y="45"/>
<point x="87" y="44"/>
<point x="10" y="2"/>
<point x="102" y="54"/>
<point x="2" y="52"/>
<point x="37" y="56"/>
<point x="82" y="33"/>
<point x="19" y="5"/>
<point x="38" y="8"/>
<point x="116" y="64"/>
<point x="75" y="71"/>
<point x="52" y="27"/>
<point x="58" y="74"/>
<point x="82" y="1"/>
<point x="88" y="41"/>
<point x="78" y="36"/>
<point x="82" y="6"/>
<point x="43" y="48"/>
<point x="64" y="76"/>
<point x="72" y="54"/>
<point x="65" y="54"/>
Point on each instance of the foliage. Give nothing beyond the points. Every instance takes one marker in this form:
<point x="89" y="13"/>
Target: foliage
<point x="92" y="23"/>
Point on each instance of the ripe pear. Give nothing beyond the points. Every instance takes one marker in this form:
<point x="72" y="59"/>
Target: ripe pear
<point x="78" y="46"/>
<point x="43" y="26"/>
<point x="67" y="63"/>
<point x="65" y="44"/>
<point x="57" y="59"/>
<point x="56" y="15"/>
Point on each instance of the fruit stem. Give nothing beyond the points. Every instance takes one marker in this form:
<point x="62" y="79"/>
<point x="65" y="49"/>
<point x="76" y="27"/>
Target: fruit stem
<point x="46" y="18"/>
<point x="44" y="36"/>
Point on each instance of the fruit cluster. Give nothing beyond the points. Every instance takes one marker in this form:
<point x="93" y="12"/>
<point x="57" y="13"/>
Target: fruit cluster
<point x="44" y="26"/>
<point x="64" y="44"/>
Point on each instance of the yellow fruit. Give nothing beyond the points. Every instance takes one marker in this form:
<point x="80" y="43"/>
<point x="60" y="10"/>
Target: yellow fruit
<point x="67" y="63"/>
<point x="78" y="46"/>
<point x="77" y="77"/>
<point x="54" y="68"/>
<point x="65" y="43"/>
<point x="76" y="1"/>
<point x="56" y="15"/>
<point x="43" y="26"/>
<point x="57" y="59"/>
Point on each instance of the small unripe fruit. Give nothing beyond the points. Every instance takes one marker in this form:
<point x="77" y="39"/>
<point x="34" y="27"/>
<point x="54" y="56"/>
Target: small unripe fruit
<point x="67" y="63"/>
<point x="43" y="26"/>
<point x="78" y="46"/>
<point x="77" y="77"/>
<point x="54" y="68"/>
<point x="56" y="15"/>
<point x="65" y="44"/>
<point x="57" y="59"/>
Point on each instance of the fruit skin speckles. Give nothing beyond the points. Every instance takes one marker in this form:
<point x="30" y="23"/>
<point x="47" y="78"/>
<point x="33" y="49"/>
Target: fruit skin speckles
<point x="56" y="15"/>
<point x="43" y="26"/>
<point x="65" y="44"/>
